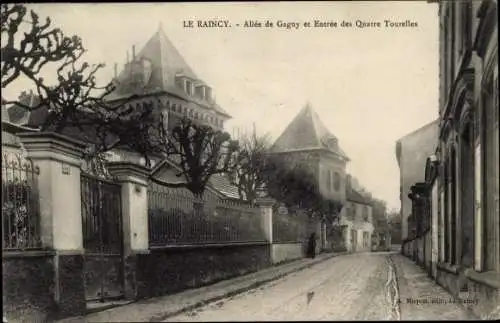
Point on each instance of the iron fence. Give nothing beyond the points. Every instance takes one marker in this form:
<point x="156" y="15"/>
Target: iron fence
<point x="20" y="204"/>
<point x="290" y="227"/>
<point x="177" y="218"/>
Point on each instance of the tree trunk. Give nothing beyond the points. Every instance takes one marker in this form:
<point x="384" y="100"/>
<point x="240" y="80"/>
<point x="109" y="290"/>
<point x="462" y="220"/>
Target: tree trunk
<point x="198" y="205"/>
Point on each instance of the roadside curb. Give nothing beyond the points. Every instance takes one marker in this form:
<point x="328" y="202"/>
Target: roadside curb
<point x="401" y="279"/>
<point x="395" y="298"/>
<point x="164" y="316"/>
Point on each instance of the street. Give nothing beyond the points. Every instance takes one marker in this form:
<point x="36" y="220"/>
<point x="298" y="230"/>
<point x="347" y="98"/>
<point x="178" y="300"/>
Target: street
<point x="352" y="287"/>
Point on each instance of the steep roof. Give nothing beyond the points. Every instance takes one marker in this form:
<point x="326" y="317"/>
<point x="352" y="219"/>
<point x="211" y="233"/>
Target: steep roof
<point x="306" y="132"/>
<point x="166" y="63"/>
<point x="420" y="129"/>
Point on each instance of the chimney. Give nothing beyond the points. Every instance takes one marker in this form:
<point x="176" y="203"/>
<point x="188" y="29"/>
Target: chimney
<point x="128" y="59"/>
<point x="133" y="52"/>
<point x="116" y="70"/>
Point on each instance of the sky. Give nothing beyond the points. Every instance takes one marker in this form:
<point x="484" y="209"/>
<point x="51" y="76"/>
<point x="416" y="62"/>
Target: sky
<point x="370" y="86"/>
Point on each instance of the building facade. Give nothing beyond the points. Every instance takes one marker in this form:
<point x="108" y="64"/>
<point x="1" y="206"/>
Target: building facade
<point x="468" y="150"/>
<point x="461" y="190"/>
<point x="358" y="220"/>
<point x="307" y="141"/>
<point x="412" y="151"/>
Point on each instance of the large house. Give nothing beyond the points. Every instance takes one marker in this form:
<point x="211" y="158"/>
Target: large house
<point x="307" y="141"/>
<point x="156" y="74"/>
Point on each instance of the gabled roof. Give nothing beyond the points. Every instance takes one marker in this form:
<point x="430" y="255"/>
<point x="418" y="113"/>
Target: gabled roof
<point x="218" y="182"/>
<point x="307" y="132"/>
<point x="356" y="197"/>
<point x="166" y="63"/>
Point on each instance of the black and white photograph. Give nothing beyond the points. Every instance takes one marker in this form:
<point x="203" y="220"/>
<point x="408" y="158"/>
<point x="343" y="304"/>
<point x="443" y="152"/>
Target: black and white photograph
<point x="250" y="161"/>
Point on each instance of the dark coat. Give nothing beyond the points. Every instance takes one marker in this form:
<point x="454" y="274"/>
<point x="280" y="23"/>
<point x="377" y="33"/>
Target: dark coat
<point x="311" y="246"/>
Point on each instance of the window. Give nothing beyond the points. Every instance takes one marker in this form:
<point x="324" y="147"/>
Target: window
<point x="208" y="94"/>
<point x="336" y="181"/>
<point x="467" y="195"/>
<point x="200" y="92"/>
<point x="490" y="178"/>
<point x="366" y="216"/>
<point x="446" y="213"/>
<point x="366" y="238"/>
<point x="445" y="55"/>
<point x="351" y="211"/>
<point x="179" y="82"/>
<point x="189" y="87"/>
<point x="442" y="244"/>
<point x="453" y="207"/>
<point x="465" y="24"/>
<point x="478" y="250"/>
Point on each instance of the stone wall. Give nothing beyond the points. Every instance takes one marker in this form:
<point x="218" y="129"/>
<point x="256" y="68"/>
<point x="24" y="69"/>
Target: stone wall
<point x="28" y="286"/>
<point x="281" y="252"/>
<point x="169" y="270"/>
<point x="31" y="292"/>
<point x="481" y="297"/>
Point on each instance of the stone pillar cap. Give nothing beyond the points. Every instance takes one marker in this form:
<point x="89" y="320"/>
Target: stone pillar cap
<point x="39" y="137"/>
<point x="265" y="201"/>
<point x="37" y="144"/>
<point x="118" y="168"/>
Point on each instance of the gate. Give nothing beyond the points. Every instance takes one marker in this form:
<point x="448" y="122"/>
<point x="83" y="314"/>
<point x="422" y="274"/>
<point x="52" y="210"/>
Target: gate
<point x="102" y="238"/>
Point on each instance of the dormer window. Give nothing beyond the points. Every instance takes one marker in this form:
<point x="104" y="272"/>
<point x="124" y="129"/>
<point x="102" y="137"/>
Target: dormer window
<point x="208" y="93"/>
<point x="200" y="91"/>
<point x="188" y="87"/>
<point x="179" y="81"/>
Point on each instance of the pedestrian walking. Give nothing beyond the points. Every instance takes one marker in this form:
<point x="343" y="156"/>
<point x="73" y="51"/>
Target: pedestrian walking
<point x="311" y="246"/>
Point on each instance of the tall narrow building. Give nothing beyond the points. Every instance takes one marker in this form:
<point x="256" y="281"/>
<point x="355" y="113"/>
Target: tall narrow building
<point x="159" y="69"/>
<point x="307" y="141"/>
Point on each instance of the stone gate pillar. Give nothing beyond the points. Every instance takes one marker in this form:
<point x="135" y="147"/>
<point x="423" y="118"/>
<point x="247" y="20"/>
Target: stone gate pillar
<point x="266" y="209"/>
<point x="134" y="198"/>
<point x="266" y="221"/>
<point x="59" y="159"/>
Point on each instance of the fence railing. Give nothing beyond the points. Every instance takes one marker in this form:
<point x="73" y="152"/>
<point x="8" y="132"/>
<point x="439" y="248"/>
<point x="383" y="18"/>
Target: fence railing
<point x="290" y="227"/>
<point x="177" y="218"/>
<point x="20" y="205"/>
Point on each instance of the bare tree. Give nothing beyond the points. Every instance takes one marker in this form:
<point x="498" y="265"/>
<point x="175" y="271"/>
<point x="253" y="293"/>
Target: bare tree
<point x="201" y="151"/>
<point x="28" y="52"/>
<point x="295" y="186"/>
<point x="75" y="100"/>
<point x="251" y="159"/>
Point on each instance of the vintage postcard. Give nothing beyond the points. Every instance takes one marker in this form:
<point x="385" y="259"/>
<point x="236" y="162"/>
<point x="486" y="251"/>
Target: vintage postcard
<point x="250" y="161"/>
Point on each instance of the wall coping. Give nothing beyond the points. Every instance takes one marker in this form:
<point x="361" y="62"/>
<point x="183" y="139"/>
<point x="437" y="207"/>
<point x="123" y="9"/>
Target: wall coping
<point x="12" y="254"/>
<point x="208" y="245"/>
<point x="290" y="242"/>
<point x="265" y="201"/>
<point x="44" y="143"/>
